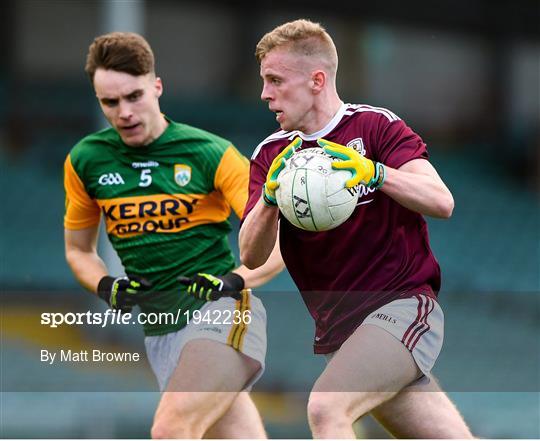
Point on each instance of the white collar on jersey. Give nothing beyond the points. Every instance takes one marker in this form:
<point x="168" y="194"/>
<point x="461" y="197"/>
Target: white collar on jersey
<point x="328" y="128"/>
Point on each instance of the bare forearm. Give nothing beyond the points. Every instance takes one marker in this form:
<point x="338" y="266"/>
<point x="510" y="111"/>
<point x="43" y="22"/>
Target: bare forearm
<point x="423" y="193"/>
<point x="258" y="235"/>
<point x="259" y="276"/>
<point x="87" y="267"/>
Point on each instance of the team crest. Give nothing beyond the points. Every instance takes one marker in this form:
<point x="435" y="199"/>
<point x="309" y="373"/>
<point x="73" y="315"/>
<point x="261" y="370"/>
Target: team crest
<point x="182" y="174"/>
<point x="358" y="145"/>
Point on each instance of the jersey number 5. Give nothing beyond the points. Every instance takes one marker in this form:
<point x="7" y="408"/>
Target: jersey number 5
<point x="146" y="178"/>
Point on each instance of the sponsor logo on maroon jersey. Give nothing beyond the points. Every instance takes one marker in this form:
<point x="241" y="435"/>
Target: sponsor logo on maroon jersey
<point x="384" y="317"/>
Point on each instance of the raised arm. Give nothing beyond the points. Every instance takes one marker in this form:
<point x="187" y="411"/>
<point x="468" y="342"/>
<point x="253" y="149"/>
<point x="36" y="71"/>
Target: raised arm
<point x="258" y="235"/>
<point x="259" y="230"/>
<point x="404" y="172"/>
<point x="417" y="186"/>
<point x="254" y="278"/>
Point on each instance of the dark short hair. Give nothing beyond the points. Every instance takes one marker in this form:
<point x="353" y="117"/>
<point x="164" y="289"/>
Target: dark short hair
<point x="121" y="51"/>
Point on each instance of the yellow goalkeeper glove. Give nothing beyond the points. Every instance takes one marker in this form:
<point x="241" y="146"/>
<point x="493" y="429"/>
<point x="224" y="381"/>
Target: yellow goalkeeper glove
<point x="364" y="170"/>
<point x="278" y="164"/>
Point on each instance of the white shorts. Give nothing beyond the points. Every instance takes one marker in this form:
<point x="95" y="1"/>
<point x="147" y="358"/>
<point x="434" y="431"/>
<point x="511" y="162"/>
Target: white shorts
<point x="217" y="322"/>
<point x="418" y="322"/>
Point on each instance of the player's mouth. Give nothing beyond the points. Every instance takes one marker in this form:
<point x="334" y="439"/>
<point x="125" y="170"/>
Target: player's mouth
<point x="131" y="129"/>
<point x="279" y="115"/>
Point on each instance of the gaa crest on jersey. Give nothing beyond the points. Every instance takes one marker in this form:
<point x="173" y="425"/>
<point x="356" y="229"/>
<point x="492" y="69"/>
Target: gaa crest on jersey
<point x="182" y="174"/>
<point x="111" y="179"/>
<point x="358" y="145"/>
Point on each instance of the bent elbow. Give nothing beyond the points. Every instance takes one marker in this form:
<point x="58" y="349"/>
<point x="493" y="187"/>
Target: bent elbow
<point x="70" y="256"/>
<point x="249" y="260"/>
<point x="447" y="207"/>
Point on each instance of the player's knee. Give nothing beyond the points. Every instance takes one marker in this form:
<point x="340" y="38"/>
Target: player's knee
<point x="176" y="425"/>
<point x="160" y="431"/>
<point x="183" y="430"/>
<point x="326" y="408"/>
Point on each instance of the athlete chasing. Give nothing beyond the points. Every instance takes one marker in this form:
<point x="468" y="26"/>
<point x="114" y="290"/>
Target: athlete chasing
<point x="165" y="191"/>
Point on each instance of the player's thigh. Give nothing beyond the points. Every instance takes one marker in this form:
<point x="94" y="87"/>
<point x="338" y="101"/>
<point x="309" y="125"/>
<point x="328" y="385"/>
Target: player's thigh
<point x="204" y="352"/>
<point x="422" y="410"/>
<point x="204" y="385"/>
<point x="209" y="366"/>
<point x="368" y="369"/>
<point x="241" y="421"/>
<point x="204" y="366"/>
<point x="417" y="322"/>
<point x="370" y="360"/>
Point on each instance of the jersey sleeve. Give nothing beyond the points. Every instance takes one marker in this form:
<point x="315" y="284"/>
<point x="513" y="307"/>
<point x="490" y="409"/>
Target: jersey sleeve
<point x="398" y="144"/>
<point x="231" y="179"/>
<point x="81" y="211"/>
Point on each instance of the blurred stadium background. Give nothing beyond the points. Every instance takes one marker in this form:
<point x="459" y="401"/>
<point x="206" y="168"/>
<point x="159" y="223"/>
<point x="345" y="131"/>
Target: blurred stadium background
<point x="463" y="74"/>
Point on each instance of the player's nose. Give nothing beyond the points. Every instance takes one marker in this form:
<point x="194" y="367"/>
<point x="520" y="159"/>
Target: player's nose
<point x="265" y="94"/>
<point x="124" y="110"/>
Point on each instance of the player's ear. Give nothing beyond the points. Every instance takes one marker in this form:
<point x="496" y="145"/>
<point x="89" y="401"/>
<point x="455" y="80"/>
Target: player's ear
<point x="159" y="87"/>
<point x="318" y="80"/>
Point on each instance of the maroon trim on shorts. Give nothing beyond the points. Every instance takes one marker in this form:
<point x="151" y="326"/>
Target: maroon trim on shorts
<point x="428" y="327"/>
<point x="420" y="325"/>
<point x="415" y="322"/>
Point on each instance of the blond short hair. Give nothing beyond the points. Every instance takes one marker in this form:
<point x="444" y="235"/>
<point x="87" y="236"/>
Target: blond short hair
<point x="303" y="37"/>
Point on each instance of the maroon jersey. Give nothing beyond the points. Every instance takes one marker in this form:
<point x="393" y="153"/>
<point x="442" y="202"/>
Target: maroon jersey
<point x="380" y="254"/>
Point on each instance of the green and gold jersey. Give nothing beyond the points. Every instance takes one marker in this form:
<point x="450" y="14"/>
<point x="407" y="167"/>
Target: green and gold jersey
<point x="165" y="207"/>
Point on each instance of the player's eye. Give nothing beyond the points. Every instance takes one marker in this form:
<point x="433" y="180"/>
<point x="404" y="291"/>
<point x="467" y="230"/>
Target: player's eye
<point x="108" y="102"/>
<point x="134" y="96"/>
<point x="275" y="81"/>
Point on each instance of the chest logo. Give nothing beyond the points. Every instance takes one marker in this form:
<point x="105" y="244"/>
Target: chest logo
<point x="110" y="179"/>
<point x="182" y="174"/>
<point x="358" y="145"/>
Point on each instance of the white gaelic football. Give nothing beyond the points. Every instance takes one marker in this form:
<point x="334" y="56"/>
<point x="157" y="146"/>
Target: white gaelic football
<point x="311" y="194"/>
